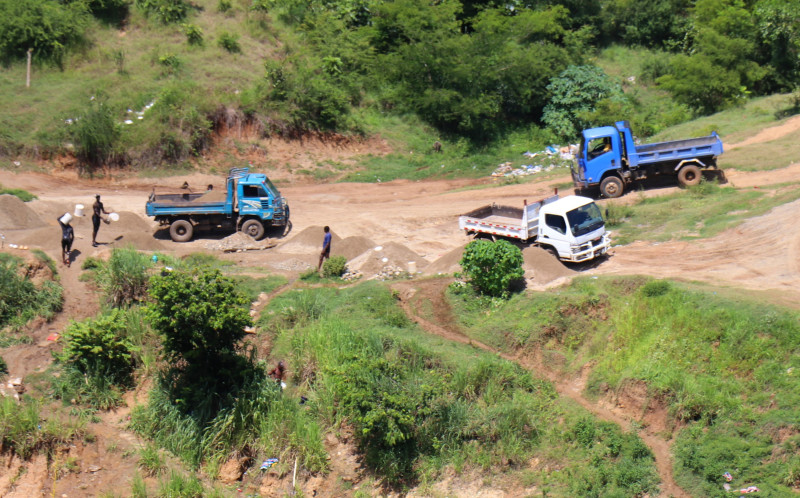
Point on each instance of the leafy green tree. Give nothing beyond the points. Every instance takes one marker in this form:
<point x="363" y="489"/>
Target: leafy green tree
<point x="576" y="91"/>
<point x="778" y="28"/>
<point x="649" y="23"/>
<point x="492" y="266"/>
<point x="200" y="316"/>
<point x="46" y="27"/>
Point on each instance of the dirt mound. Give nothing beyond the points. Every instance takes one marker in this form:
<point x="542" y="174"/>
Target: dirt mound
<point x="352" y="247"/>
<point x="448" y="263"/>
<point x="131" y="221"/>
<point x="239" y="241"/>
<point x="16" y="215"/>
<point x="544" y="266"/>
<point x="373" y="261"/>
<point x="45" y="237"/>
<point x="309" y="241"/>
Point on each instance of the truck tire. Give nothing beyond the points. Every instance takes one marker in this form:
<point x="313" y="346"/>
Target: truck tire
<point x="611" y="187"/>
<point x="253" y="228"/>
<point x="181" y="230"/>
<point x="689" y="175"/>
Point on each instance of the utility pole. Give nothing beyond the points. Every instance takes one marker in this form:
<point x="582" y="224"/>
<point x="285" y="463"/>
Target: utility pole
<point x="28" y="77"/>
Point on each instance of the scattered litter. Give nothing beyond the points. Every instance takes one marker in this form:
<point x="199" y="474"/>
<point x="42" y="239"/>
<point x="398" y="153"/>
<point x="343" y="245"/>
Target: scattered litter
<point x="269" y="462"/>
<point x="728" y="477"/>
<point x="54" y="336"/>
<point x="750" y="489"/>
<point x="128" y="121"/>
<point x="385" y="260"/>
<point x="378" y="248"/>
<point x="303" y="400"/>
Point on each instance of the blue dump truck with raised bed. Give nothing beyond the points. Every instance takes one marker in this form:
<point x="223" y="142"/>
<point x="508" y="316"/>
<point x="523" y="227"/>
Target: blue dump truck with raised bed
<point x="609" y="159"/>
<point x="250" y="203"/>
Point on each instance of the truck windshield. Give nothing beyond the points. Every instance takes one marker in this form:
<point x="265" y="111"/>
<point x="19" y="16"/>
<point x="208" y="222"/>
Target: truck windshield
<point x="270" y="187"/>
<point x="585" y="219"/>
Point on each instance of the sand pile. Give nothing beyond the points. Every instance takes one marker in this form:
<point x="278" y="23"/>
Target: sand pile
<point x="545" y="266"/>
<point x="309" y="241"/>
<point x="239" y="241"/>
<point x="447" y="263"/>
<point x="129" y="221"/>
<point x="140" y="240"/>
<point x="372" y="262"/>
<point x="351" y="247"/>
<point x="16" y="215"/>
<point x="44" y="238"/>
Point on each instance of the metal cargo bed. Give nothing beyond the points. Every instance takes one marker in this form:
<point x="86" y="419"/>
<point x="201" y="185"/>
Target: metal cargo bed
<point x="504" y="221"/>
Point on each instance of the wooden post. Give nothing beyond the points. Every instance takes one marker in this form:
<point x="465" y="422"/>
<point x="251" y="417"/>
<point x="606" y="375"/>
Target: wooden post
<point x="28" y="76"/>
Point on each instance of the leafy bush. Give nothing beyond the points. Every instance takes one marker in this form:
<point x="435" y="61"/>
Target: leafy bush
<point x="99" y="348"/>
<point x="194" y="34"/>
<point x="48" y="27"/>
<point x="96" y="135"/>
<point x="166" y="11"/>
<point x="230" y="42"/>
<point x="171" y="63"/>
<point x="492" y="266"/>
<point x="334" y="267"/>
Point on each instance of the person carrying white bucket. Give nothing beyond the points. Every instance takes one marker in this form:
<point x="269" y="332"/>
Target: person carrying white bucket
<point x="97" y="209"/>
<point x="67" y="236"/>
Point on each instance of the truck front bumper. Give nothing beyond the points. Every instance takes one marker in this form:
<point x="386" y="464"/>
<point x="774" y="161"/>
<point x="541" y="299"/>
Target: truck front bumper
<point x="590" y="250"/>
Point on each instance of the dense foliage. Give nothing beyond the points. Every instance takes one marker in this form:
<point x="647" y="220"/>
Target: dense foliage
<point x="20" y="299"/>
<point x="492" y="267"/>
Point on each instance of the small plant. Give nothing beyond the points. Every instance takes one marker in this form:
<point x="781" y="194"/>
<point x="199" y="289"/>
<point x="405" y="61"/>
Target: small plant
<point x="229" y="42"/>
<point x="492" y="266"/>
<point x="616" y="214"/>
<point x="119" y="61"/>
<point x="656" y="288"/>
<point x="181" y="485"/>
<point x="194" y="35"/>
<point x="334" y="267"/>
<point x="224" y="6"/>
<point x="166" y="11"/>
<point x="3" y="367"/>
<point x="151" y="461"/>
<point x="171" y="63"/>
<point x="261" y="5"/>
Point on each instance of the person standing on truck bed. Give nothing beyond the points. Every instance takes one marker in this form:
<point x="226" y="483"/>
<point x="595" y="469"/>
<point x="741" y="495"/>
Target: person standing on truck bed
<point x="97" y="209"/>
<point x="326" y="247"/>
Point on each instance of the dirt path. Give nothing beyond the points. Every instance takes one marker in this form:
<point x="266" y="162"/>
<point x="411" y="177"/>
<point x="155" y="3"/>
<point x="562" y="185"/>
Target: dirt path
<point x="413" y="294"/>
<point x="791" y="125"/>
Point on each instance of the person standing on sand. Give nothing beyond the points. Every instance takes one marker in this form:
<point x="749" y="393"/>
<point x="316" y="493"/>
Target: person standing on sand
<point x="67" y="236"/>
<point x="97" y="209"/>
<point x="326" y="247"/>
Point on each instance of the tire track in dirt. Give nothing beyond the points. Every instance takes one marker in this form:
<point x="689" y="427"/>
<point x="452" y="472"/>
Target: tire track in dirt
<point x="432" y="291"/>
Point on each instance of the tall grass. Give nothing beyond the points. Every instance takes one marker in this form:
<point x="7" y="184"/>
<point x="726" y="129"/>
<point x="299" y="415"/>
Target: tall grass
<point x="21" y="300"/>
<point x="24" y="431"/>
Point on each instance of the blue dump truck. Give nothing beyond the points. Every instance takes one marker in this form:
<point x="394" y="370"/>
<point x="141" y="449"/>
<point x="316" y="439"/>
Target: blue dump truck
<point x="250" y="203"/>
<point x="609" y="158"/>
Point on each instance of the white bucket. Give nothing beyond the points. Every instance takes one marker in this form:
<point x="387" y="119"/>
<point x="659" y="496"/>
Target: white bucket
<point x="66" y="218"/>
<point x="113" y="217"/>
<point x="78" y="210"/>
<point x="412" y="267"/>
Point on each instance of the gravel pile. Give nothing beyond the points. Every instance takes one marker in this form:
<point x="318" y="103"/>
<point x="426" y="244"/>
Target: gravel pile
<point x="239" y="242"/>
<point x="292" y="264"/>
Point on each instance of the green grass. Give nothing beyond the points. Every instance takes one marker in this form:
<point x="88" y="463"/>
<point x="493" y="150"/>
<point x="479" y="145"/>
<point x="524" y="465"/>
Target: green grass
<point x="697" y="212"/>
<point x="24" y="195"/>
<point x="21" y="301"/>
<point x="25" y="432"/>
<point x="420" y="404"/>
<point x="725" y="367"/>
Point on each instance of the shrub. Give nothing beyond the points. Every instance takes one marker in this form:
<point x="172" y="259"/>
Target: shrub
<point x="124" y="278"/>
<point x="99" y="348"/>
<point x="171" y="63"/>
<point x="334" y="267"/>
<point x="48" y="27"/>
<point x="229" y="42"/>
<point x="655" y="288"/>
<point x="3" y="366"/>
<point x="166" y="11"/>
<point x="194" y="35"/>
<point x="96" y="135"/>
<point x="20" y="300"/>
<point x="151" y="461"/>
<point x="224" y="6"/>
<point x="492" y="266"/>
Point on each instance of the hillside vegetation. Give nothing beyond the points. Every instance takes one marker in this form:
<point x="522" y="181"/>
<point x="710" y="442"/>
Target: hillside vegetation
<point x="470" y="73"/>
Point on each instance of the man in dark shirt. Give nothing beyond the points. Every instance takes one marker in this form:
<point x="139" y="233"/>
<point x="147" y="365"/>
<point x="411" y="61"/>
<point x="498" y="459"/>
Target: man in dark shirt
<point x="67" y="236"/>
<point x="97" y="209"/>
<point x="326" y="247"/>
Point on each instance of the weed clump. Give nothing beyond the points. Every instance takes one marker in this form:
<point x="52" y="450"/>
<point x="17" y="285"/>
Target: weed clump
<point x="334" y="267"/>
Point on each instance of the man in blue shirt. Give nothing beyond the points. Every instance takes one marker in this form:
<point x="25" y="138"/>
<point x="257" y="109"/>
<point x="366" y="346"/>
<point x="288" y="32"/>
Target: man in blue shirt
<point x="326" y="247"/>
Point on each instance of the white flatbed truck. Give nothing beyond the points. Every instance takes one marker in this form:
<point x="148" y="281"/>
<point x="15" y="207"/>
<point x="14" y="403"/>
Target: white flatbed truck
<point x="570" y="227"/>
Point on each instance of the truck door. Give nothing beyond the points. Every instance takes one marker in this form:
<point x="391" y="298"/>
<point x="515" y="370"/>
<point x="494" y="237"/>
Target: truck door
<point x="554" y="232"/>
<point x="600" y="154"/>
<point x="253" y="200"/>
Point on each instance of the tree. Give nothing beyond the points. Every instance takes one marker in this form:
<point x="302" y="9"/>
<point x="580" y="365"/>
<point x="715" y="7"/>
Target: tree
<point x="492" y="266"/>
<point x="576" y="91"/>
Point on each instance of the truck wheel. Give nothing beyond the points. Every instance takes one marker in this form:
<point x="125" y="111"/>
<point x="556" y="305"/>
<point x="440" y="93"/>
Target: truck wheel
<point x="689" y="175"/>
<point x="611" y="187"/>
<point x="181" y="230"/>
<point x="253" y="228"/>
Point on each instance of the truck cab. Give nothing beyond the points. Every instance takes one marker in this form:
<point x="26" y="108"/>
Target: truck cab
<point x="574" y="227"/>
<point x="259" y="198"/>
<point x="601" y="150"/>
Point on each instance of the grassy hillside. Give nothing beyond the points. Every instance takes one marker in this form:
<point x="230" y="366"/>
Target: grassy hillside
<point x="723" y="367"/>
